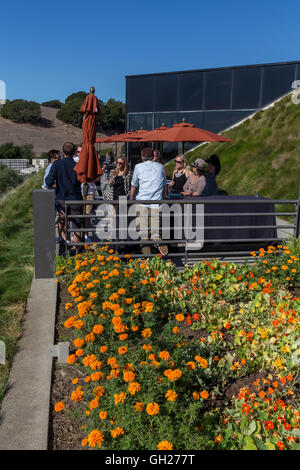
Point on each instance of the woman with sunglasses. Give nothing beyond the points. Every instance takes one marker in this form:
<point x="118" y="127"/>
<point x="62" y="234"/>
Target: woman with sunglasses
<point x="119" y="180"/>
<point x="180" y="175"/>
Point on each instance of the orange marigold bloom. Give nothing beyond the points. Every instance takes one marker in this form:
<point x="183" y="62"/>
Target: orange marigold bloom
<point x="78" y="342"/>
<point x="191" y="365"/>
<point x="77" y="394"/>
<point x="134" y="387"/>
<point x="123" y="350"/>
<point x="165" y="445"/>
<point x="98" y="329"/>
<point x="176" y="330"/>
<point x="171" y="395"/>
<point x="139" y="406"/>
<point x="103" y="414"/>
<point x="119" y="398"/>
<point x="103" y="349"/>
<point x="95" y="438"/>
<point x="152" y="409"/>
<point x="179" y="317"/>
<point x="123" y="337"/>
<point x="146" y="333"/>
<point x="204" y="394"/>
<point x="71" y="359"/>
<point x="165" y="355"/>
<point x="128" y="376"/>
<point x="116" y="432"/>
<point x="79" y="352"/>
<point x="59" y="406"/>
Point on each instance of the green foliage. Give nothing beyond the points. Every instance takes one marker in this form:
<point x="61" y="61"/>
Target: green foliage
<point x="11" y="151"/>
<point x="16" y="264"/>
<point x="52" y="104"/>
<point x="111" y="118"/>
<point x="22" y="111"/>
<point x="9" y="178"/>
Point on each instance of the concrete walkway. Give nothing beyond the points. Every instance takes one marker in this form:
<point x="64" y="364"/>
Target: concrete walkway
<point x="24" y="417"/>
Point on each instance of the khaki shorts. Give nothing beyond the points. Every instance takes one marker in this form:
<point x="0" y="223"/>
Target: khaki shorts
<point x="89" y="207"/>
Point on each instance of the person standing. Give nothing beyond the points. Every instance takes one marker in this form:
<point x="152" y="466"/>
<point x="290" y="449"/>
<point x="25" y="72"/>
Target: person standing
<point x="180" y="175"/>
<point x="149" y="183"/>
<point x="119" y="180"/>
<point x="68" y="188"/>
<point x="52" y="156"/>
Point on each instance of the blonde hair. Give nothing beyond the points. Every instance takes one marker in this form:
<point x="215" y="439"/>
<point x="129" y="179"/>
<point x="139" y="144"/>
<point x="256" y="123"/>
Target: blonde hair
<point x="115" y="171"/>
<point x="185" y="165"/>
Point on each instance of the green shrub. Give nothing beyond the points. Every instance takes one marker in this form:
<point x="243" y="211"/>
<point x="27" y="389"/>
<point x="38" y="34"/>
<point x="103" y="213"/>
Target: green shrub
<point x="22" y="111"/>
<point x="52" y="104"/>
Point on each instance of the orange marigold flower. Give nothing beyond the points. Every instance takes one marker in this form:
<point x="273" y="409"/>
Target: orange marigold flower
<point x="103" y="414"/>
<point x="171" y="395"/>
<point x="77" y="394"/>
<point x="134" y="387"/>
<point x="123" y="350"/>
<point x="179" y="317"/>
<point x="152" y="409"/>
<point x="204" y="394"/>
<point x="139" y="406"/>
<point x="191" y="365"/>
<point x="146" y="333"/>
<point x="165" y="355"/>
<point x="59" y="406"/>
<point x="128" y="376"/>
<point x="95" y="438"/>
<point x="98" y="329"/>
<point x="119" y="398"/>
<point x="78" y="342"/>
<point x="79" y="352"/>
<point x="123" y="337"/>
<point x="165" y="445"/>
<point x="116" y="432"/>
<point x="102" y="349"/>
<point x="71" y="359"/>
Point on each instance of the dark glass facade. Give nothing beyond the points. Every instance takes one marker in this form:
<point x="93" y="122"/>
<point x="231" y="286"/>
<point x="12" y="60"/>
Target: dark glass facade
<point x="212" y="99"/>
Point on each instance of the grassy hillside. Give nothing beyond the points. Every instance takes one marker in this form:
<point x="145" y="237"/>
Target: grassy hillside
<point x="16" y="264"/>
<point x="265" y="155"/>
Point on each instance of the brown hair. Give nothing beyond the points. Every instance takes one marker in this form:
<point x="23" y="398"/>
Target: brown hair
<point x="115" y="171"/>
<point x="69" y="149"/>
<point x="147" y="153"/>
<point x="158" y="156"/>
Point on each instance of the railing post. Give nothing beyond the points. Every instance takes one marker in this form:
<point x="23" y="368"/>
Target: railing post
<point x="44" y="233"/>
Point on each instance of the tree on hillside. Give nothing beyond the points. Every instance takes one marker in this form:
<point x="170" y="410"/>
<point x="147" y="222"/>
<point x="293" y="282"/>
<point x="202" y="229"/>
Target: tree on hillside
<point x="52" y="104"/>
<point x="9" y="178"/>
<point x="22" y="111"/>
<point x="70" y="111"/>
<point x="11" y="151"/>
<point x="110" y="119"/>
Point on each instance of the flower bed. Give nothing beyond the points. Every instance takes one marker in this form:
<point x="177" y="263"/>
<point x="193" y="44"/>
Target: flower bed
<point x="207" y="358"/>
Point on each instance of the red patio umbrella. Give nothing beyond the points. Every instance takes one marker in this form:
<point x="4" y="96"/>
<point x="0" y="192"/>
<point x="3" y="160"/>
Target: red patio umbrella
<point x="88" y="168"/>
<point x="183" y="132"/>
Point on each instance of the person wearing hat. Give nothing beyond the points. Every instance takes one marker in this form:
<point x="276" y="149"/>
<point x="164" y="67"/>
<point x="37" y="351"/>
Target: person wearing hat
<point x="196" y="183"/>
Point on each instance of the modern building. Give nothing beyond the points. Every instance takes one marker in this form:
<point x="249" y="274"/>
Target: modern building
<point x="213" y="99"/>
<point x="16" y="164"/>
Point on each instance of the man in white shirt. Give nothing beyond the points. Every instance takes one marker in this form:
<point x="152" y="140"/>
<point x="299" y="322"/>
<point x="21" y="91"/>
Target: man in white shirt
<point x="149" y="182"/>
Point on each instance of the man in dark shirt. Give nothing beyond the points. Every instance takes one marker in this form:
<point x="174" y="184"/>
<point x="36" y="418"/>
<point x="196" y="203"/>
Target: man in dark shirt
<point x="68" y="188"/>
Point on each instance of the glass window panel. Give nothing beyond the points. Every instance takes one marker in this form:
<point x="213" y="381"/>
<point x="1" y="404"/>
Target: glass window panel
<point x="192" y="118"/>
<point x="217" y="121"/>
<point x="166" y="92"/>
<point x="139" y="121"/>
<point x="139" y="94"/>
<point x="246" y="88"/>
<point x="190" y="90"/>
<point x="218" y="89"/>
<point x="165" y="119"/>
<point x="277" y="80"/>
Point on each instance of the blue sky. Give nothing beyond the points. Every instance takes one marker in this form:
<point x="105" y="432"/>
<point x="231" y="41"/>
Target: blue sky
<point x="49" y="51"/>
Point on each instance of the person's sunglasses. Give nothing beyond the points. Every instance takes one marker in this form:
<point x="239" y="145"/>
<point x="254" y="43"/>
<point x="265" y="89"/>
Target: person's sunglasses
<point x="178" y="161"/>
<point x="119" y="163"/>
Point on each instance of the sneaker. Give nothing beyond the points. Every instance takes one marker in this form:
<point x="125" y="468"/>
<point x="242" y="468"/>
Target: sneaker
<point x="163" y="249"/>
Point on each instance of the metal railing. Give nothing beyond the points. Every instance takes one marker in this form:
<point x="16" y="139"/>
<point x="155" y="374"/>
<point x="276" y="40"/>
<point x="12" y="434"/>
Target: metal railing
<point x="221" y="241"/>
